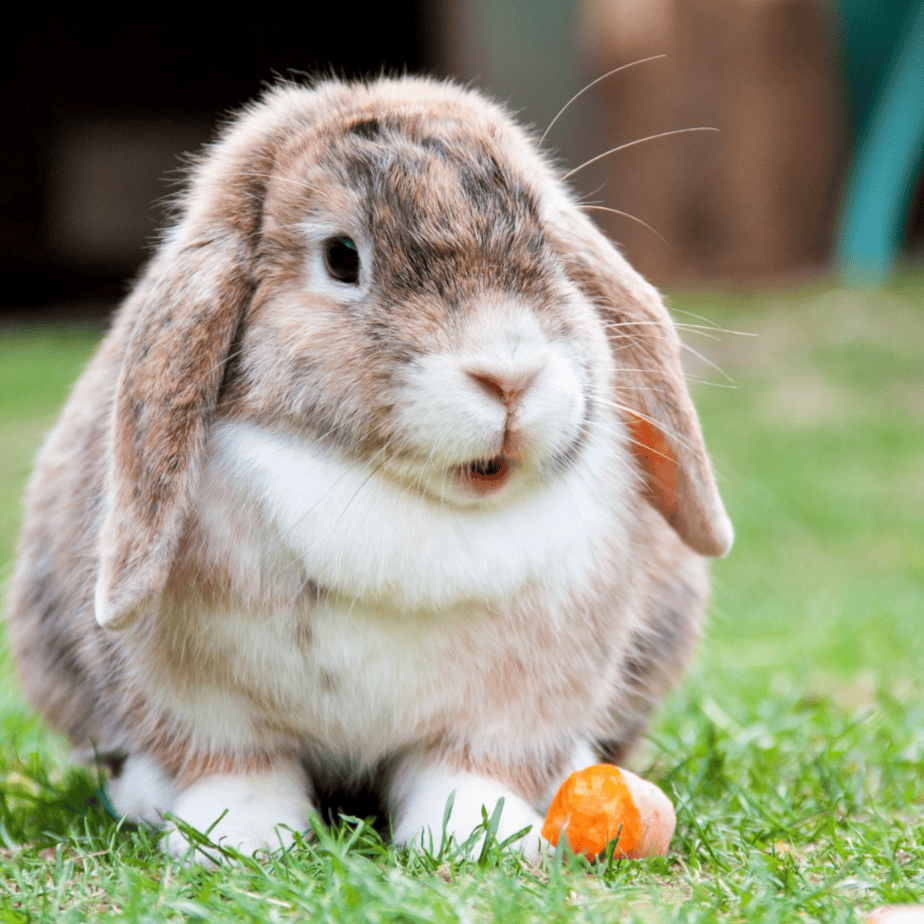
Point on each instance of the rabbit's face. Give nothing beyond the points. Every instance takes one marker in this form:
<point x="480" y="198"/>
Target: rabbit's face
<point x="409" y="312"/>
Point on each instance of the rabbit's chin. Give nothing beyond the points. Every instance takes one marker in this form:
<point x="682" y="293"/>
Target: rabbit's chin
<point x="358" y="531"/>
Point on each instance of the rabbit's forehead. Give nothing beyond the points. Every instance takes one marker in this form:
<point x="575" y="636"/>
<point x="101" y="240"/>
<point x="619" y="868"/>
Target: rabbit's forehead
<point x="439" y="190"/>
<point x="413" y="170"/>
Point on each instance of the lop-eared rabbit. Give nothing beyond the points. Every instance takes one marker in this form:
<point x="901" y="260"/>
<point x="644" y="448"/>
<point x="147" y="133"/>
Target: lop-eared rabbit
<point x="386" y="473"/>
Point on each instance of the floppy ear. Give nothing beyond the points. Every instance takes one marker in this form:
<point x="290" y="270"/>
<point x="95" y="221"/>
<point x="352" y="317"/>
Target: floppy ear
<point x="177" y="329"/>
<point x="651" y="390"/>
<point x="186" y="311"/>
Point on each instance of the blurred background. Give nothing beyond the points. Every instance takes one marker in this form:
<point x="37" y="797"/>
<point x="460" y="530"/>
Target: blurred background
<point x="99" y="112"/>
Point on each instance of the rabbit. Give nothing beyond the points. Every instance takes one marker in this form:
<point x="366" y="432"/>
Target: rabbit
<point x="385" y="474"/>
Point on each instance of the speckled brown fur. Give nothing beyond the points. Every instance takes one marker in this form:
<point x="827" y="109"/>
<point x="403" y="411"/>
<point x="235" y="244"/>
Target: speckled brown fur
<point x="143" y="593"/>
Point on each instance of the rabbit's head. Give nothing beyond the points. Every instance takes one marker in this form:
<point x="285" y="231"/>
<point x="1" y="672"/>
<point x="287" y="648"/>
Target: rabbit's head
<point x="393" y="271"/>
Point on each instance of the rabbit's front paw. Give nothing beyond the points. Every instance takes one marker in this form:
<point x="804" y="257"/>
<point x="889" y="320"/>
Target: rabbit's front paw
<point x="422" y="793"/>
<point x="141" y="791"/>
<point x="249" y="812"/>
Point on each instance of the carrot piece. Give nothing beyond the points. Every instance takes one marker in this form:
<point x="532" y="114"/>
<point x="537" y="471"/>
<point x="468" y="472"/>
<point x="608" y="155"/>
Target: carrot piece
<point x="603" y="803"/>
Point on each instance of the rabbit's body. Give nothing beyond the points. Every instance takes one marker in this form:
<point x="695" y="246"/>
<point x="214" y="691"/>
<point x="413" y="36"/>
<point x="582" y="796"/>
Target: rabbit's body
<point x="371" y="479"/>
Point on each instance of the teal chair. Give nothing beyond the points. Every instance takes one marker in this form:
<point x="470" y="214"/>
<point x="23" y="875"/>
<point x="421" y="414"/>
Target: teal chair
<point x="885" y="72"/>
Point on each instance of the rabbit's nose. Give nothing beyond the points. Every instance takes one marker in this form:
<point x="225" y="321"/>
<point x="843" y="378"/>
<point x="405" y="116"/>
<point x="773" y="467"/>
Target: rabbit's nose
<point x="507" y="386"/>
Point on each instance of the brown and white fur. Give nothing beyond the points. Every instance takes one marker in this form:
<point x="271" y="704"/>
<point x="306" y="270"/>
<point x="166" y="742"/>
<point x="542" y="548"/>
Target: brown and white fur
<point x="438" y="527"/>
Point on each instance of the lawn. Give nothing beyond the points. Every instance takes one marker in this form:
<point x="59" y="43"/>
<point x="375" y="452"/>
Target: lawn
<point x="793" y="749"/>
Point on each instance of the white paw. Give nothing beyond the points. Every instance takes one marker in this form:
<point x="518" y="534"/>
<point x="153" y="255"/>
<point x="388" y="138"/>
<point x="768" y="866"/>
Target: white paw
<point x="142" y="792"/>
<point x="243" y="811"/>
<point x="420" y="795"/>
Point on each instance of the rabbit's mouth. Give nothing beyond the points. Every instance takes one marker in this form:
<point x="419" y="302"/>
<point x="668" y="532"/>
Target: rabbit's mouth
<point x="485" y="476"/>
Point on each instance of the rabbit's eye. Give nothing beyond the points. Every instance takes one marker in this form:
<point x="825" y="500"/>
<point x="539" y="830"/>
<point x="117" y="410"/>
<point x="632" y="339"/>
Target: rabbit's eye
<point x="342" y="259"/>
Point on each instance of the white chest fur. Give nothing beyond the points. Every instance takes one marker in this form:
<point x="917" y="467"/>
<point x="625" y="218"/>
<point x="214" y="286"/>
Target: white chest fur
<point x="424" y="607"/>
<point x="365" y="536"/>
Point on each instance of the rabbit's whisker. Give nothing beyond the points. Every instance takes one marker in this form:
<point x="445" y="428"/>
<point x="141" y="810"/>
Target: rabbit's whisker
<point x="709" y="363"/>
<point x="635" y="218"/>
<point x="593" y="83"/>
<point x="658" y="425"/>
<point x="680" y="325"/>
<point x="693" y="328"/>
<point x="632" y="144"/>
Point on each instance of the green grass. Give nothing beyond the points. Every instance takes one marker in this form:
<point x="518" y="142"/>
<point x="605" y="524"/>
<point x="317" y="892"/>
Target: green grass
<point x="794" y="748"/>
